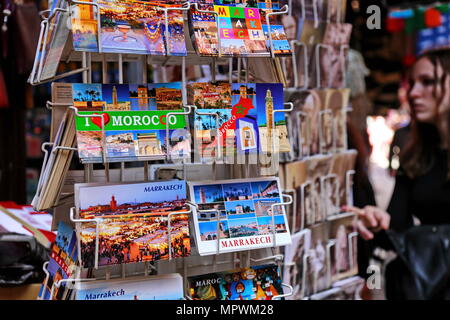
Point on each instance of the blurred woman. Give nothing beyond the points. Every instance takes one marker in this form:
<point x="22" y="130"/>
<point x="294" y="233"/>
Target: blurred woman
<point x="422" y="190"/>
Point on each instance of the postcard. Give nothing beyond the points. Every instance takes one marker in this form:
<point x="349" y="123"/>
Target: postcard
<point x="56" y="37"/>
<point x="330" y="189"/>
<point x="333" y="58"/>
<point x="87" y="96"/>
<point x="240" y="31"/>
<point x="299" y="56"/>
<point x="205" y="95"/>
<point x="317" y="274"/>
<point x="131" y="27"/>
<point x="304" y="129"/>
<point x="84" y="27"/>
<point x="296" y="180"/>
<point x="128" y="27"/>
<point x="269" y="98"/>
<point x="333" y="120"/>
<point x="294" y="269"/>
<point x="335" y="10"/>
<point x="312" y="35"/>
<point x="338" y="102"/>
<point x="160" y="287"/>
<point x="134" y="225"/>
<point x="126" y="139"/>
<point x="280" y="42"/>
<point x="344" y="252"/>
<point x="135" y="117"/>
<point x="343" y="163"/>
<point x="253" y="283"/>
<point x="327" y="124"/>
<point x="350" y="288"/>
<point x="177" y="41"/>
<point x="238" y="215"/>
<point x="330" y="294"/>
<point x="62" y="263"/>
<point x="317" y="168"/>
<point x="204" y="29"/>
<point x="242" y="114"/>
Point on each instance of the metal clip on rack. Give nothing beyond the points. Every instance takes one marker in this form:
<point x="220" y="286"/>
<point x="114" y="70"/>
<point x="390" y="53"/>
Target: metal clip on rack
<point x="349" y="186"/>
<point x="217" y="25"/>
<point x="306" y="218"/>
<point x="186" y="7"/>
<point x="351" y="248"/>
<point x="49" y="105"/>
<point x="44" y="285"/>
<point x="75" y="110"/>
<point x="44" y="164"/>
<point x="331" y="243"/>
<point x="289" y="109"/>
<point x="46" y="159"/>
<point x="316" y="14"/>
<point x="294" y="208"/>
<point x="300" y="115"/>
<point x="97" y="223"/>
<point x="272" y="206"/>
<point x="283" y="10"/>
<point x="307" y="255"/>
<point x="168" y="115"/>
<point x="58" y="283"/>
<point x="277" y="258"/>
<point x="290" y="156"/>
<point x="300" y="44"/>
<point x="218" y="155"/>
<point x="280" y="296"/>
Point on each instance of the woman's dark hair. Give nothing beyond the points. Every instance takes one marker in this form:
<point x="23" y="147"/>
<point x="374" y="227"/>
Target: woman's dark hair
<point x="418" y="155"/>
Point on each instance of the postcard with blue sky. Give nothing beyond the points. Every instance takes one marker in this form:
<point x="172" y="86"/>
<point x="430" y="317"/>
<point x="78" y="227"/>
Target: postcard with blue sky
<point x="241" y="204"/>
<point x="168" y="287"/>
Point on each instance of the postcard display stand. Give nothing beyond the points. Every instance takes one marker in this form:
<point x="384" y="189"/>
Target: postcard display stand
<point x="266" y="233"/>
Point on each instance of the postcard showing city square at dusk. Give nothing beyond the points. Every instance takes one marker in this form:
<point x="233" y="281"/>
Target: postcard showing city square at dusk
<point x="134" y="222"/>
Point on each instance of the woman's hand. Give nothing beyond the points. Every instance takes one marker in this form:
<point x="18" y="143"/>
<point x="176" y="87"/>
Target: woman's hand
<point x="370" y="220"/>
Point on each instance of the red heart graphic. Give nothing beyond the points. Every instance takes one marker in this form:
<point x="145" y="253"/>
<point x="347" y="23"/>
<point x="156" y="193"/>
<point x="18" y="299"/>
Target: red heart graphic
<point x="98" y="121"/>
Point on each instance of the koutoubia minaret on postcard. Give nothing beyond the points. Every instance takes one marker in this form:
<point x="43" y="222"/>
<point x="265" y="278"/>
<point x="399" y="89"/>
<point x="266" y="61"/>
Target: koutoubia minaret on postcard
<point x="113" y="204"/>
<point x="269" y="111"/>
<point x="114" y="96"/>
<point x="142" y="97"/>
<point x="202" y="196"/>
<point x="269" y="119"/>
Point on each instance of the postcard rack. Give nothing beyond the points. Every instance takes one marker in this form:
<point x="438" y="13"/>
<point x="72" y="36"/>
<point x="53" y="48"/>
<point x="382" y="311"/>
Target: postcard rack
<point x="68" y="53"/>
<point x="290" y="198"/>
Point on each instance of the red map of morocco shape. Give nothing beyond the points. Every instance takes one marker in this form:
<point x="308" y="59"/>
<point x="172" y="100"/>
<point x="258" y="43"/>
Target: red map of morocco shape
<point x="239" y="111"/>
